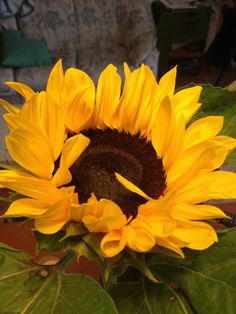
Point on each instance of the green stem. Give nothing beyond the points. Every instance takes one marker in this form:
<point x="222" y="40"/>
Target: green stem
<point x="66" y="260"/>
<point x="181" y="303"/>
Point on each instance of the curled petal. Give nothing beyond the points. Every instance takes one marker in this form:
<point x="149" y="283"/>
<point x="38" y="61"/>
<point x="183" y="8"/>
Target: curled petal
<point x="140" y="236"/>
<point x="100" y="216"/>
<point x="105" y="223"/>
<point x="113" y="242"/>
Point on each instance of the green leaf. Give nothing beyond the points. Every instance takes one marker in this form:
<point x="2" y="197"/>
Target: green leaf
<point x="74" y="229"/>
<point x="80" y="248"/>
<point x="28" y="288"/>
<point x="146" y="297"/>
<point x="50" y="242"/>
<point x="93" y="242"/>
<point x="209" y="281"/>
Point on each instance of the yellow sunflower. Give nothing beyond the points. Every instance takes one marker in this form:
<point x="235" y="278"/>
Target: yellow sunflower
<point x="121" y="162"/>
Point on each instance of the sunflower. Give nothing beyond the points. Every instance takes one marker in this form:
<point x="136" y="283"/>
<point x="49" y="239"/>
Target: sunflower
<point x="123" y="162"/>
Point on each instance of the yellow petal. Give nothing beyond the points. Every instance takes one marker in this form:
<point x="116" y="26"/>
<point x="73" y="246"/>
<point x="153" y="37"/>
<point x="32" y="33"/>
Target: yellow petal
<point x="77" y="97"/>
<point x="186" y="102"/>
<point x="102" y="216"/>
<point x="30" y="186"/>
<point x="168" y="134"/>
<point x="152" y="207"/>
<point x="163" y="129"/>
<point x="79" y="107"/>
<point x="48" y="117"/>
<point x="55" y="82"/>
<point x="72" y="149"/>
<point x="167" y="83"/>
<point x="31" y="150"/>
<point x="196" y="212"/>
<point x="223" y="185"/>
<point x="104" y="224"/>
<point x="147" y="105"/>
<point x="9" y="107"/>
<point x="15" y="121"/>
<point x="155" y="213"/>
<point x="202" y="130"/>
<point x="162" y="225"/>
<point x="61" y="177"/>
<point x="113" y="242"/>
<point x="130" y="186"/>
<point x="26" y="207"/>
<point x="215" y="185"/>
<point x="195" y="191"/>
<point x="199" y="235"/>
<point x="199" y="159"/>
<point x="21" y="89"/>
<point x="175" y="144"/>
<point x="225" y="141"/>
<point x="75" y="78"/>
<point x="167" y="243"/>
<point x="131" y="100"/>
<point x="127" y="71"/>
<point x="107" y="96"/>
<point x="54" y="218"/>
<point x="151" y="120"/>
<point x="51" y="121"/>
<point x="143" y="239"/>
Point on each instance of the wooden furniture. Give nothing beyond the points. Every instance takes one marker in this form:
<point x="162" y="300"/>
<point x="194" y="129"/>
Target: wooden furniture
<point x="179" y="26"/>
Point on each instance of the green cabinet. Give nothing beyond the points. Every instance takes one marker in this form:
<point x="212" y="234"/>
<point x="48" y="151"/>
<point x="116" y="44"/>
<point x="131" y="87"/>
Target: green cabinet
<point x="176" y="26"/>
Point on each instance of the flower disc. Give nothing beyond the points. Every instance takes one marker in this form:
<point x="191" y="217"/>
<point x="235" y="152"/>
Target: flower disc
<point x="131" y="156"/>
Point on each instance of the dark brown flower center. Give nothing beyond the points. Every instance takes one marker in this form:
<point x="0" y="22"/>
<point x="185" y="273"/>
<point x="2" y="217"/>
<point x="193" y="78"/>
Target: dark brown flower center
<point x="131" y="156"/>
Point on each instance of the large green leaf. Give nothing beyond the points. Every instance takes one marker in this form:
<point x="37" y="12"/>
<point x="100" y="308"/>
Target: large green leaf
<point x="29" y="288"/>
<point x="209" y="280"/>
<point x="218" y="101"/>
<point x="145" y="297"/>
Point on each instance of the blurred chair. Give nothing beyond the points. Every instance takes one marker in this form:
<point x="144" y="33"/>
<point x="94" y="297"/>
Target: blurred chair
<point x="115" y="31"/>
<point x="86" y="34"/>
